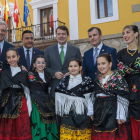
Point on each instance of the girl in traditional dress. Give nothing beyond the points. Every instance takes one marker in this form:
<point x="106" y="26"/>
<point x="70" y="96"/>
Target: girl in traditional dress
<point x="71" y="99"/>
<point x="15" y="102"/>
<point x="129" y="67"/>
<point x="109" y="105"/>
<point x="43" y="113"/>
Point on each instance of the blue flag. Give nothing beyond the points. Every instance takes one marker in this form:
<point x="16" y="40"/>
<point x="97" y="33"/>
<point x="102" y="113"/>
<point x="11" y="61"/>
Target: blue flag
<point x="26" y="11"/>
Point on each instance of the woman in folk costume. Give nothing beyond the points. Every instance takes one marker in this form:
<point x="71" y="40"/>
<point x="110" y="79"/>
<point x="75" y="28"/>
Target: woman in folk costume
<point x="129" y="67"/>
<point x="15" y="102"/>
<point x="43" y="122"/>
<point x="71" y="99"/>
<point x="109" y="103"/>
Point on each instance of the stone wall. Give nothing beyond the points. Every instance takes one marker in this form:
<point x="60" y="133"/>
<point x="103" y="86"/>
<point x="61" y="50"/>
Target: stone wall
<point x="115" y="41"/>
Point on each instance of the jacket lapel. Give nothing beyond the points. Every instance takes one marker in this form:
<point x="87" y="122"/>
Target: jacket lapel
<point x="68" y="52"/>
<point x="56" y="52"/>
<point x="33" y="56"/>
<point x="22" y="57"/>
<point x="91" y="58"/>
<point x="103" y="50"/>
<point x="3" y="55"/>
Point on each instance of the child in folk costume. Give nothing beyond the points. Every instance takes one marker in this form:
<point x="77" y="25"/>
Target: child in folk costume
<point x="109" y="110"/>
<point x="71" y="99"/>
<point x="15" y="102"/>
<point x="43" y="111"/>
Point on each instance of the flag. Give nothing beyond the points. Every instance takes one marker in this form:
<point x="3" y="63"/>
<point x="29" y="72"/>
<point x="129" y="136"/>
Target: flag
<point x="26" y="11"/>
<point x="0" y="13"/>
<point x="16" y="13"/>
<point x="51" y="23"/>
<point x="6" y="13"/>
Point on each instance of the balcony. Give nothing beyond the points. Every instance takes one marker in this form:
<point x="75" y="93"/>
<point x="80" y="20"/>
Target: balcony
<point x="44" y="31"/>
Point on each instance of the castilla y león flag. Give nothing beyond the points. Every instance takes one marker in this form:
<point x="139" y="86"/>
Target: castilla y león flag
<point x="6" y="13"/>
<point x="16" y="13"/>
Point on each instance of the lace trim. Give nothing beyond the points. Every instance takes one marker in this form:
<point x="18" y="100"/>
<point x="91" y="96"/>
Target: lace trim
<point x="70" y="128"/>
<point x="48" y="121"/>
<point x="6" y="100"/>
<point x="18" y="111"/>
<point x="42" y="113"/>
<point x="106" y="131"/>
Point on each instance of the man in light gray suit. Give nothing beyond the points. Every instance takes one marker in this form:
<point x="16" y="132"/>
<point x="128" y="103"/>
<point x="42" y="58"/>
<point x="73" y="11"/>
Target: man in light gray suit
<point x="58" y="57"/>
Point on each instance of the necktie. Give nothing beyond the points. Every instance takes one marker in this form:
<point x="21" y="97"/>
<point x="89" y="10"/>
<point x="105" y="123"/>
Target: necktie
<point x="28" y="60"/>
<point x="95" y="56"/>
<point x="62" y="54"/>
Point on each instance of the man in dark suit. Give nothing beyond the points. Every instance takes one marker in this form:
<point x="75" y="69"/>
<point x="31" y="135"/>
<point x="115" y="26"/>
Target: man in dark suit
<point x="58" y="57"/>
<point x="4" y="46"/>
<point x="90" y="56"/>
<point x="27" y="52"/>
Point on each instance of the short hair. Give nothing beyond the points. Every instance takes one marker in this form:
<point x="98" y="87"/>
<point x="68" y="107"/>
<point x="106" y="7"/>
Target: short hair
<point x="27" y="31"/>
<point x="63" y="28"/>
<point x="92" y="28"/>
<point x="3" y="23"/>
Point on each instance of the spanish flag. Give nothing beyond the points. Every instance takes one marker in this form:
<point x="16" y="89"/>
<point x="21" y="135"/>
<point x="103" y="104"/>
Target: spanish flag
<point x="6" y="13"/>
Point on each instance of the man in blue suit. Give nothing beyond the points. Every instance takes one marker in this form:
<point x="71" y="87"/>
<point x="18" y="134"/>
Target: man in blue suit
<point x="4" y="46"/>
<point x="27" y="52"/>
<point x="90" y="56"/>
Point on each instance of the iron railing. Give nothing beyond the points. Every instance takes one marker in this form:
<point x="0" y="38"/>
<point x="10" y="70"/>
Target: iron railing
<point x="41" y="31"/>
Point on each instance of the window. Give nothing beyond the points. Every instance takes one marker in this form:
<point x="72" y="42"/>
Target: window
<point x="46" y="21"/>
<point x="105" y="8"/>
<point x="103" y="11"/>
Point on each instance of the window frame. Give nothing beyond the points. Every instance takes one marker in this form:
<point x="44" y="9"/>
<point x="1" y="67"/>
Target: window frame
<point x="95" y="12"/>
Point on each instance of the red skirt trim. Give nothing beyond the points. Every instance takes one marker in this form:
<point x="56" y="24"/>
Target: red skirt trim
<point x="135" y="128"/>
<point x="122" y="134"/>
<point x="16" y="129"/>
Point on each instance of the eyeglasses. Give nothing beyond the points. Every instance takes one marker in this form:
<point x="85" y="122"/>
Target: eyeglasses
<point x="40" y="62"/>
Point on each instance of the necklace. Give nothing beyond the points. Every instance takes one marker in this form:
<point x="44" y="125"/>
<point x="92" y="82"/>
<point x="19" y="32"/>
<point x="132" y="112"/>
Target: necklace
<point x="107" y="78"/>
<point x="133" y="52"/>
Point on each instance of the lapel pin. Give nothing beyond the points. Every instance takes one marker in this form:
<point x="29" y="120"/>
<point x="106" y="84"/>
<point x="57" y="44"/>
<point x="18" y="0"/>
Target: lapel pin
<point x="102" y="50"/>
<point x="34" y="52"/>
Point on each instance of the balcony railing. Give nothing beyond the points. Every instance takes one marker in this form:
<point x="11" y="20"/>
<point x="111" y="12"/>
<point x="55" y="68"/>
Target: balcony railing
<point x="41" y="31"/>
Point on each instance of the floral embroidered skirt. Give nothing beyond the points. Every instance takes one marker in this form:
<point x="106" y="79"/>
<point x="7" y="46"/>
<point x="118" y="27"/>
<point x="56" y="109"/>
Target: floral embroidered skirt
<point x="16" y="129"/>
<point x="120" y="135"/>
<point x="68" y="134"/>
<point x="135" y="128"/>
<point x="40" y="130"/>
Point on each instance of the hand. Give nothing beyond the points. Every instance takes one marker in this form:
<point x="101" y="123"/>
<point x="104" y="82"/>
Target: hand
<point x="120" y="121"/>
<point x="67" y="74"/>
<point x="59" y="75"/>
<point x="23" y="68"/>
<point x="92" y="117"/>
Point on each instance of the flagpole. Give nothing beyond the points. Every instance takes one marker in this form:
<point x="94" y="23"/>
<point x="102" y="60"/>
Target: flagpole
<point x="20" y="16"/>
<point x="12" y="21"/>
<point x="30" y="17"/>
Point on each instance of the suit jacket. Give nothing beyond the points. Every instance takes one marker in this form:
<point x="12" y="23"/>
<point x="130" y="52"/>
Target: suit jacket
<point x="6" y="46"/>
<point x="22" y="59"/>
<point x="54" y="64"/>
<point x="89" y="69"/>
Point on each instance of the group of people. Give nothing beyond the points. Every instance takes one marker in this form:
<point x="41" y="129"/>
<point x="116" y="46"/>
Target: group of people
<point x="54" y="94"/>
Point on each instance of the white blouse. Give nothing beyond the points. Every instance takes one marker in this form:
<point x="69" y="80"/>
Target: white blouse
<point x="121" y="109"/>
<point x="74" y="81"/>
<point x="41" y="75"/>
<point x="14" y="71"/>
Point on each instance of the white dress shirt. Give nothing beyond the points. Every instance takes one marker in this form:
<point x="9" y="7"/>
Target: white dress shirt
<point x="99" y="49"/>
<point x="64" y="49"/>
<point x="14" y="71"/>
<point x="1" y="45"/>
<point x="30" y="52"/>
